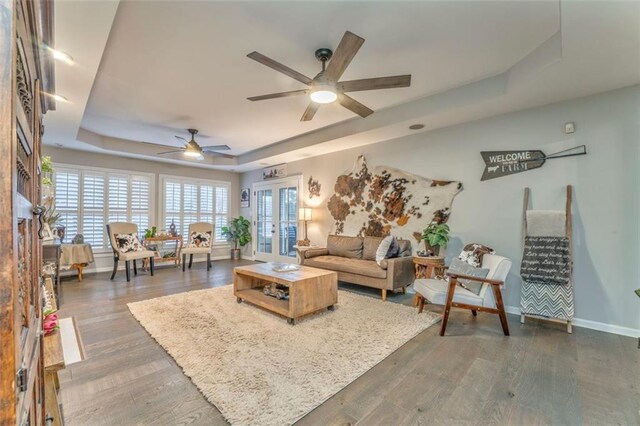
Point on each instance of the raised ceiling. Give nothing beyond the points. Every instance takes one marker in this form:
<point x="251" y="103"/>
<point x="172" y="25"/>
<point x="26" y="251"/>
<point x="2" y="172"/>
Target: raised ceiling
<point x="170" y="65"/>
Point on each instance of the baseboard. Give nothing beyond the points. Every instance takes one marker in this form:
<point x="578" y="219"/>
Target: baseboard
<point x="72" y="272"/>
<point x="593" y="325"/>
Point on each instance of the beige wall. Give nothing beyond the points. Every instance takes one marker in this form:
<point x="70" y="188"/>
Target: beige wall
<point x="606" y="203"/>
<point x="91" y="159"/>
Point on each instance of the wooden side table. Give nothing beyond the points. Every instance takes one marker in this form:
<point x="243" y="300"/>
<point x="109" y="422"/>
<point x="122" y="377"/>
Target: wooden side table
<point x="427" y="267"/>
<point x="161" y="240"/>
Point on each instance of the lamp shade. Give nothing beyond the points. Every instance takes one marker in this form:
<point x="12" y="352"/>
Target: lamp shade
<point x="305" y="213"/>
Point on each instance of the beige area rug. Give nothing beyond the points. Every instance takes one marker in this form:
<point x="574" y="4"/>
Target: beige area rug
<point x="259" y="370"/>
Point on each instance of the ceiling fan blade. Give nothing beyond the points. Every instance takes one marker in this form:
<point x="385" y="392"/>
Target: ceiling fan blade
<point x="279" y="95"/>
<point x="310" y="111"/>
<point x="171" y="152"/>
<point x="353" y="105"/>
<point x="215" y="148"/>
<point x="181" y="139"/>
<point x="346" y="50"/>
<point x="375" y="83"/>
<point x="279" y="67"/>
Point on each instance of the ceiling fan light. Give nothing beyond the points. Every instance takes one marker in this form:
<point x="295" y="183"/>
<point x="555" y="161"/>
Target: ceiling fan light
<point x="323" y="94"/>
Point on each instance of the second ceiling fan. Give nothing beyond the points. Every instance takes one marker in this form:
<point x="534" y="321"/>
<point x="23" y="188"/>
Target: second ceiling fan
<point x="326" y="87"/>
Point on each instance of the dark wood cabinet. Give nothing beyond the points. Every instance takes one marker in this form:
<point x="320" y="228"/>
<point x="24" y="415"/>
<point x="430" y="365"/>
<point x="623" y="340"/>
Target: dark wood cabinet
<point x="25" y="72"/>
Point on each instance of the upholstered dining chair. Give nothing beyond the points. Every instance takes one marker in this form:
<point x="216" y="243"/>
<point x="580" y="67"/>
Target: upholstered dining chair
<point x="450" y="294"/>
<point x="116" y="228"/>
<point x="193" y="246"/>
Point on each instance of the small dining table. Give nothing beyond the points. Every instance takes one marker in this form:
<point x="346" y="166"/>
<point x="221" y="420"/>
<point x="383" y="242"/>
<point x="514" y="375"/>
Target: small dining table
<point x="76" y="256"/>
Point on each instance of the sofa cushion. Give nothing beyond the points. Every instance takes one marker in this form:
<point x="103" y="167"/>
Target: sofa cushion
<point x="368" y="268"/>
<point x="339" y="245"/>
<point x="370" y="247"/>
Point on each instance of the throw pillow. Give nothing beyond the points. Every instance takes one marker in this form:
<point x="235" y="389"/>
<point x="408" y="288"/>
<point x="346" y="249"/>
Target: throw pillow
<point x="473" y="253"/>
<point x="126" y="243"/>
<point x="200" y="239"/>
<point x="463" y="267"/>
<point x="387" y="249"/>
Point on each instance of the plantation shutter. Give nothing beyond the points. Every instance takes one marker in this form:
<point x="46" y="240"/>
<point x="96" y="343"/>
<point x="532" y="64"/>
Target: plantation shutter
<point x="222" y="211"/>
<point x="93" y="203"/>
<point x="190" y="207"/>
<point x="172" y="204"/>
<point x="140" y="201"/>
<point x="67" y="197"/>
<point x="118" y="198"/>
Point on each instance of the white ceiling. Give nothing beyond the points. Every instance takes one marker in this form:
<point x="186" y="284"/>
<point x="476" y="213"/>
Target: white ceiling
<point x="169" y="65"/>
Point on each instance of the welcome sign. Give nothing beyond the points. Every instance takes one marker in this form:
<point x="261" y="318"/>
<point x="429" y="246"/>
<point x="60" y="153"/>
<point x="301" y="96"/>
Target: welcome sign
<point x="504" y="163"/>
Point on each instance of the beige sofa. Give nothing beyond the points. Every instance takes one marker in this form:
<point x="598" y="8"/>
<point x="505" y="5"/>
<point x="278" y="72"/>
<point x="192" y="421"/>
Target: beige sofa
<point x="354" y="259"/>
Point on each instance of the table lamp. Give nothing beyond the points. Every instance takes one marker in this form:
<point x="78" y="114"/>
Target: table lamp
<point x="304" y="214"/>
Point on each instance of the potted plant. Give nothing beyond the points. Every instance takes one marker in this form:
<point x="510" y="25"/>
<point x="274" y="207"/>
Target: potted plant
<point x="237" y="233"/>
<point x="435" y="235"/>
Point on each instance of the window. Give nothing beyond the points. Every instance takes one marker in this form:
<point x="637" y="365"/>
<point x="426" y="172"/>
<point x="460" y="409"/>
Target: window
<point x="89" y="198"/>
<point x="187" y="201"/>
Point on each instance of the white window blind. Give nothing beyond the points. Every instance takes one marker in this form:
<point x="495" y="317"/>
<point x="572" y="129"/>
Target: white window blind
<point x="88" y="199"/>
<point x="188" y="201"/>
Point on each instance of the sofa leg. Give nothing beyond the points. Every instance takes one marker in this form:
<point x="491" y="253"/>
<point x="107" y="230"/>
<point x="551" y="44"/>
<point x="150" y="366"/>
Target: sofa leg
<point x="384" y="294"/>
<point x="474" y="312"/>
<point x="403" y="290"/>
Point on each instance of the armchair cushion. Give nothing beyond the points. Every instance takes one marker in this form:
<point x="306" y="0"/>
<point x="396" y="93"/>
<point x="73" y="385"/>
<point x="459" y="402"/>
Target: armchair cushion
<point x="462" y="267"/>
<point x="133" y="255"/>
<point x="126" y="243"/>
<point x="196" y="250"/>
<point x="435" y="291"/>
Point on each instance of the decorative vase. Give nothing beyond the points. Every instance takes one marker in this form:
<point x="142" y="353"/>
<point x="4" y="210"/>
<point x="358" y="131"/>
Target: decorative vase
<point x="235" y="254"/>
<point x="172" y="229"/>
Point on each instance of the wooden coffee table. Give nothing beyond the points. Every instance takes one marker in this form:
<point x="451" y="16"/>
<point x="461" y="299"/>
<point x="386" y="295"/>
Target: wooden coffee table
<point x="310" y="289"/>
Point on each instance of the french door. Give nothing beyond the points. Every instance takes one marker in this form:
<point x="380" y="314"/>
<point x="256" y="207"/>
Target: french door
<point x="275" y="219"/>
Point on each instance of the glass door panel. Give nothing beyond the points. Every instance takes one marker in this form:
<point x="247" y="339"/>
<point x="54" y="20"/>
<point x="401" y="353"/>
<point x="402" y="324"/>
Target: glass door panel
<point x="288" y="221"/>
<point x="264" y="225"/>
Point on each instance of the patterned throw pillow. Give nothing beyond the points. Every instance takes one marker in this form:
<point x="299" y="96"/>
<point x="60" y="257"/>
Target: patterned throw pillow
<point x="126" y="243"/>
<point x="200" y="239"/>
<point x="473" y="253"/>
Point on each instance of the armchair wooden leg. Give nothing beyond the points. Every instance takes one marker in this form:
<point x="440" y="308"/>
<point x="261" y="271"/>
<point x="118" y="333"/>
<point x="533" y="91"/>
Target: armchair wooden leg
<point x="115" y="268"/>
<point x="135" y="267"/>
<point x="420" y="303"/>
<point x="500" y="305"/>
<point x="190" y="260"/>
<point x="447" y="307"/>
<point x="151" y="262"/>
<point x="208" y="261"/>
<point x="127" y="268"/>
<point x="474" y="312"/>
<point x="384" y="294"/>
<point x="184" y="261"/>
<point x="403" y="290"/>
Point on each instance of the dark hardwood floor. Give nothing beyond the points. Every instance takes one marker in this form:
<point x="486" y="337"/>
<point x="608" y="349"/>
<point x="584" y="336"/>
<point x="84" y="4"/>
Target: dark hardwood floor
<point x="474" y="375"/>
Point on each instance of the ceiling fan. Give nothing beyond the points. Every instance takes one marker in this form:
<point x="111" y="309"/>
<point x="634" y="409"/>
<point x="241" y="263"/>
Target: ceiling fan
<point x="194" y="150"/>
<point x="325" y="87"/>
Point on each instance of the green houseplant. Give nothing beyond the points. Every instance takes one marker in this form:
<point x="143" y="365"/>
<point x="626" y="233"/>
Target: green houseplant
<point x="238" y="232"/>
<point x="435" y="236"/>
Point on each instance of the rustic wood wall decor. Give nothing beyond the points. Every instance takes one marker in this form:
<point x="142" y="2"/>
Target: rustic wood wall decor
<point x="314" y="187"/>
<point x="387" y="201"/>
<point x="504" y="163"/>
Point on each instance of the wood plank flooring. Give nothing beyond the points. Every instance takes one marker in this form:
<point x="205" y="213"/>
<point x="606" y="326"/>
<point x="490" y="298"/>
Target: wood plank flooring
<point x="473" y="376"/>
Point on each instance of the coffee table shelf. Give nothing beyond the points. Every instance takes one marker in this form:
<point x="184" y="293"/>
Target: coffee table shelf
<point x="310" y="289"/>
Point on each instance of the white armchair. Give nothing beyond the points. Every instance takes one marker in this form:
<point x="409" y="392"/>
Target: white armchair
<point x="450" y="294"/>
<point x="191" y="249"/>
<point x="126" y="228"/>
